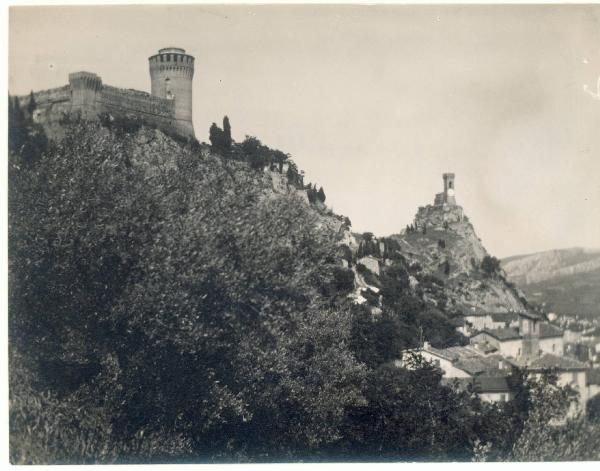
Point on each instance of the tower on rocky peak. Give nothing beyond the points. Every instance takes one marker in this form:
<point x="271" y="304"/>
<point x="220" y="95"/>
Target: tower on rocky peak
<point x="447" y="197"/>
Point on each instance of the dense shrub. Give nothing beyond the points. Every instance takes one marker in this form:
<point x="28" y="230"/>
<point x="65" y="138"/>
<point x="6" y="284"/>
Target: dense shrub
<point x="490" y="265"/>
<point x="164" y="273"/>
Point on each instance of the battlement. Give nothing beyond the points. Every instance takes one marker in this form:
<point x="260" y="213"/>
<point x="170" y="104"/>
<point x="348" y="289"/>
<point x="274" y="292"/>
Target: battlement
<point x="164" y="50"/>
<point x="168" y="106"/>
<point x="87" y="80"/>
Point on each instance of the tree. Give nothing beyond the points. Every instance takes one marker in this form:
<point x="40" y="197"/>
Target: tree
<point x="27" y="140"/>
<point x="31" y="106"/>
<point x="409" y="415"/>
<point x="490" y="265"/>
<point x="215" y="136"/>
<point x="226" y="133"/>
<point x="254" y="152"/>
<point x="321" y="195"/>
<point x="545" y="434"/>
<point x="593" y="409"/>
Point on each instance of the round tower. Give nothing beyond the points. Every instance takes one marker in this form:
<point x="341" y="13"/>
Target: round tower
<point x="171" y="74"/>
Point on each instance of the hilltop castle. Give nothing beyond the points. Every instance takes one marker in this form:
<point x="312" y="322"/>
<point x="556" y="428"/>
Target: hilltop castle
<point x="168" y="106"/>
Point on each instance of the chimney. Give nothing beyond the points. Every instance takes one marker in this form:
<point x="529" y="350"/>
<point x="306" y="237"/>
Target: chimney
<point x="426" y="345"/>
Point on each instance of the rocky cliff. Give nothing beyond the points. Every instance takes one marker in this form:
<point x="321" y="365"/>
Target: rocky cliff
<point x="443" y="243"/>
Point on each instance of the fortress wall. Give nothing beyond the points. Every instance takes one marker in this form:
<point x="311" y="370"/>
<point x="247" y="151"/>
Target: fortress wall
<point x="89" y="97"/>
<point x="136" y="101"/>
<point x="52" y="106"/>
<point x="155" y="111"/>
<point x="46" y="97"/>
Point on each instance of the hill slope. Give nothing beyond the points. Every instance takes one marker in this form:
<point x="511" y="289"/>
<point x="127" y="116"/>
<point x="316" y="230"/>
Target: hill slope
<point x="567" y="281"/>
<point x="443" y="242"/>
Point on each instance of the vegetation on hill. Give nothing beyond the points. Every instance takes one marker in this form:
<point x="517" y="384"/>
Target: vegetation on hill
<point x="166" y="305"/>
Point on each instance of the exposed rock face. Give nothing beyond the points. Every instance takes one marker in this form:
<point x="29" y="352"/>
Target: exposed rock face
<point x="437" y="215"/>
<point x="371" y="263"/>
<point x="444" y="244"/>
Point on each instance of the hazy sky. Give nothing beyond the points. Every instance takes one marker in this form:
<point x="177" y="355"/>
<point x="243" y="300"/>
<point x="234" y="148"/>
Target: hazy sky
<point x="375" y="103"/>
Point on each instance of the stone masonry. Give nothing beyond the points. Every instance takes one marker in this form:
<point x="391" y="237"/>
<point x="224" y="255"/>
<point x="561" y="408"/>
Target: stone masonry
<point x="168" y="107"/>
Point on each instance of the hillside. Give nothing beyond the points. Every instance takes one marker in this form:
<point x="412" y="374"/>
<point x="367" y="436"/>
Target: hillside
<point x="565" y="281"/>
<point x="171" y="300"/>
<point x="443" y="242"/>
<point x="179" y="299"/>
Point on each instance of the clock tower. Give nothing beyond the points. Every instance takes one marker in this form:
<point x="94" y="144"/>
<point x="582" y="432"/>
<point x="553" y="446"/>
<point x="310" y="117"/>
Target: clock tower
<point x="449" y="198"/>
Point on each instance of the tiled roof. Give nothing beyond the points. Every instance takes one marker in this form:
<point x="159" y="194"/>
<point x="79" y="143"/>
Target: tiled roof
<point x="491" y="384"/>
<point x="504" y="316"/>
<point x="472" y="365"/>
<point x="531" y="315"/>
<point x="457" y="321"/>
<point x="459" y="384"/>
<point x="548" y="330"/>
<point x="593" y="376"/>
<point x="592" y="333"/>
<point x="549" y="361"/>
<point x="468" y="359"/>
<point x="476" y="314"/>
<point x="503" y="333"/>
<point x="481" y="384"/>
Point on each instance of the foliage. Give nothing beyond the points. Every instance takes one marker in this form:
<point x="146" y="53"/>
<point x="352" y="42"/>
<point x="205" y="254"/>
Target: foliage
<point x="220" y="139"/>
<point x="343" y="280"/>
<point x="548" y="433"/>
<point x="490" y="265"/>
<point x="203" y="332"/>
<point x="410" y="415"/>
<point x="368" y="246"/>
<point x="163" y="309"/>
<point x="121" y="124"/>
<point x="321" y="195"/>
<point x="375" y="339"/>
<point x="593" y="409"/>
<point x="27" y="140"/>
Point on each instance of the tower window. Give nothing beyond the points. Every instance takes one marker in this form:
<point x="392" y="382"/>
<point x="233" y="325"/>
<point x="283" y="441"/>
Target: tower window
<point x="450" y="184"/>
<point x="162" y="58"/>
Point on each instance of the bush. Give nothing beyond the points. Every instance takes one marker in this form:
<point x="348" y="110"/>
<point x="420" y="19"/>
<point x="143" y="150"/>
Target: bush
<point x="490" y="265"/>
<point x="343" y="280"/>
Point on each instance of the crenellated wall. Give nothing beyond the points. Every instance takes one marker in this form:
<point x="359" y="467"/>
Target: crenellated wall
<point x="88" y="97"/>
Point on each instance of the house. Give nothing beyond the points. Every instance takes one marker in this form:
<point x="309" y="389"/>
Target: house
<point x="477" y="321"/>
<point x="532" y="336"/>
<point x="533" y="345"/>
<point x="507" y="341"/>
<point x="467" y="367"/>
<point x="570" y="372"/>
<point x="551" y="339"/>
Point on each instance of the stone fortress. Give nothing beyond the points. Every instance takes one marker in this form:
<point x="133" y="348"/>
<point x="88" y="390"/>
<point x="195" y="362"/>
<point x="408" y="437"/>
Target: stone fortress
<point x="168" y="107"/>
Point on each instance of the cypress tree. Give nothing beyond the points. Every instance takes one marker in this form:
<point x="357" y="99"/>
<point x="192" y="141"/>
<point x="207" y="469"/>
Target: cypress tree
<point x="226" y="134"/>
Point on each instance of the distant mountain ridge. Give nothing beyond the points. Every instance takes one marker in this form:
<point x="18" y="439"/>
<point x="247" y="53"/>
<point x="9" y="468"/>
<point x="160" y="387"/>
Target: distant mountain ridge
<point x="566" y="280"/>
<point x="540" y="266"/>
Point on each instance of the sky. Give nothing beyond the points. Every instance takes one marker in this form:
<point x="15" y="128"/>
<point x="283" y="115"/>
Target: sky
<point x="374" y="103"/>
